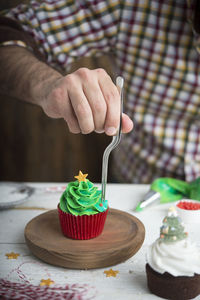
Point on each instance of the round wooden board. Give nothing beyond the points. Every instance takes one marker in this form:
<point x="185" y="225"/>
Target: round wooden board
<point x="121" y="238"/>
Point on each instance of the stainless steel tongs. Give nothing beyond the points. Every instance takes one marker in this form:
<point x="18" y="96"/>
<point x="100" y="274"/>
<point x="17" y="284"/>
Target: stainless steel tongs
<point x="115" y="140"/>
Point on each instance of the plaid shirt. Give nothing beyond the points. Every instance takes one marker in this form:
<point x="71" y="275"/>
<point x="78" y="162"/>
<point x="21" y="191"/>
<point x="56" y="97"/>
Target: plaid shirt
<point x="155" y="50"/>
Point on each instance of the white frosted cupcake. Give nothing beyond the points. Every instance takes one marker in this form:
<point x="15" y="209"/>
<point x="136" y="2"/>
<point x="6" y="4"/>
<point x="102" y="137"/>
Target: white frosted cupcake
<point x="173" y="262"/>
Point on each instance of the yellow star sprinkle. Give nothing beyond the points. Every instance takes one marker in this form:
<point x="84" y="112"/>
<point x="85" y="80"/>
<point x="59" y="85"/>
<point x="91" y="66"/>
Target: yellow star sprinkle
<point x="12" y="255"/>
<point x="81" y="177"/>
<point x="46" y="282"/>
<point x="111" y="273"/>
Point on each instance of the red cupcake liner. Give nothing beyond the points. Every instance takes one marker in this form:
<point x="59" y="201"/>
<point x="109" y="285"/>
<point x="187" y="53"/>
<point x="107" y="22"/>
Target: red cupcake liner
<point x="82" y="227"/>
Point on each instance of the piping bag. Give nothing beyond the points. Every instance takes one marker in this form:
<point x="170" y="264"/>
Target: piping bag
<point x="167" y="189"/>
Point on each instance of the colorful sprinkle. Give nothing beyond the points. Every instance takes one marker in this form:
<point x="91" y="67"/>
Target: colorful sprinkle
<point x="165" y="230"/>
<point x="188" y="205"/>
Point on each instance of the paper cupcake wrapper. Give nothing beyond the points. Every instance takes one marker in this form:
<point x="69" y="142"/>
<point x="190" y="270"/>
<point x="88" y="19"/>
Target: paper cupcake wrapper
<point x="82" y="227"/>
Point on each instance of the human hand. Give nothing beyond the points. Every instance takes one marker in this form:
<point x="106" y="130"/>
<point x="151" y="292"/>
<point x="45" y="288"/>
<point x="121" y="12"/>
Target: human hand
<point x="88" y="100"/>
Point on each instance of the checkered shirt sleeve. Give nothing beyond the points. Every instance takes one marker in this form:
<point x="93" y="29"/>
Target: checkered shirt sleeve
<point x="66" y="30"/>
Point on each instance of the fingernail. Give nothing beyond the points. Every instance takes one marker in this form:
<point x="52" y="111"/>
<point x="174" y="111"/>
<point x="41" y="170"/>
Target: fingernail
<point x="110" y="130"/>
<point x="99" y="131"/>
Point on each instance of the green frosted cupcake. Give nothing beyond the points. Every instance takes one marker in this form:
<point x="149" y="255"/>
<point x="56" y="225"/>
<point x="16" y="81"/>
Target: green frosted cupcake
<point x="82" y="213"/>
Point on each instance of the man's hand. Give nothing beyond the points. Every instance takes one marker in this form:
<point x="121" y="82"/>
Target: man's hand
<point x="88" y="100"/>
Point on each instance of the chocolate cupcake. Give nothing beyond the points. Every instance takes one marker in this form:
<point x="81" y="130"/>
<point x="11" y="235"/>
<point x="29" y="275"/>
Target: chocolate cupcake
<point x="173" y="262"/>
<point x="81" y="211"/>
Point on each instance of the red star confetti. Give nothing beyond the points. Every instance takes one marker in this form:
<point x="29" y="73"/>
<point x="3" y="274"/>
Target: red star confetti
<point x="111" y="273"/>
<point x="81" y="177"/>
<point x="47" y="282"/>
<point x="12" y="255"/>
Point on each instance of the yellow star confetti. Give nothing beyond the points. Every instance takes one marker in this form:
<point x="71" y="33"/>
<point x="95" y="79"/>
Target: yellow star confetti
<point x="111" y="273"/>
<point x="12" y="255"/>
<point x="81" y="177"/>
<point x="46" y="282"/>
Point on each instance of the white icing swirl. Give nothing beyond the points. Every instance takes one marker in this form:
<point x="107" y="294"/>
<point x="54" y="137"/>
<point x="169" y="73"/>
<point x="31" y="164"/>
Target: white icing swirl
<point x="179" y="259"/>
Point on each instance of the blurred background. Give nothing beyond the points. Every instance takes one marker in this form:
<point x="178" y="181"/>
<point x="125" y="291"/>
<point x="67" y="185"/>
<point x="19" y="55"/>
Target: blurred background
<point x="34" y="147"/>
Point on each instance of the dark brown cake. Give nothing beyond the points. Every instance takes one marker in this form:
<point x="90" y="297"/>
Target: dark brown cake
<point x="171" y="287"/>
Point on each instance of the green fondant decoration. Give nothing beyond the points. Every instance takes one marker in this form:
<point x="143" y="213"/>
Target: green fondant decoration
<point x="172" y="230"/>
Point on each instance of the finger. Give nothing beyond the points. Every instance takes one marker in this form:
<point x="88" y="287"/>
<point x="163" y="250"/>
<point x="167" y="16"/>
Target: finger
<point x="71" y="119"/>
<point x="112" y="98"/>
<point x="82" y="110"/>
<point x="127" y="123"/>
<point x="58" y="106"/>
<point x="97" y="104"/>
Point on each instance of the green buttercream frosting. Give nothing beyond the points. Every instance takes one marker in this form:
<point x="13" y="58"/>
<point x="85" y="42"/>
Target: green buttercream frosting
<point x="82" y="198"/>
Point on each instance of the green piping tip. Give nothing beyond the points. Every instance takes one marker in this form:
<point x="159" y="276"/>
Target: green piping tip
<point x="138" y="208"/>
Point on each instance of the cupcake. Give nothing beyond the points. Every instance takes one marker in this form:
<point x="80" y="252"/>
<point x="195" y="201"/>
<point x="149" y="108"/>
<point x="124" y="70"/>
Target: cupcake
<point x="82" y="213"/>
<point x="173" y="262"/>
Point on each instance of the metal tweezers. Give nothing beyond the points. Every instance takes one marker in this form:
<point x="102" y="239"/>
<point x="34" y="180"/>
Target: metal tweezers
<point x="115" y="140"/>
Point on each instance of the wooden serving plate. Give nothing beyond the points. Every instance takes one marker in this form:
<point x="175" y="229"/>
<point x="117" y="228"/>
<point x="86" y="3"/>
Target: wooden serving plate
<point x="121" y="238"/>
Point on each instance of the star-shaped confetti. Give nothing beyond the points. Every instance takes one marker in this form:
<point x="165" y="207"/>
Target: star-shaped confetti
<point x="111" y="273"/>
<point x="81" y="177"/>
<point x="12" y="255"/>
<point x="47" y="282"/>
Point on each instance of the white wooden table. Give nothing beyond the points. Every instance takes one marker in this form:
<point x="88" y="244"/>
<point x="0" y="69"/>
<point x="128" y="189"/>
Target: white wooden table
<point x="130" y="282"/>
